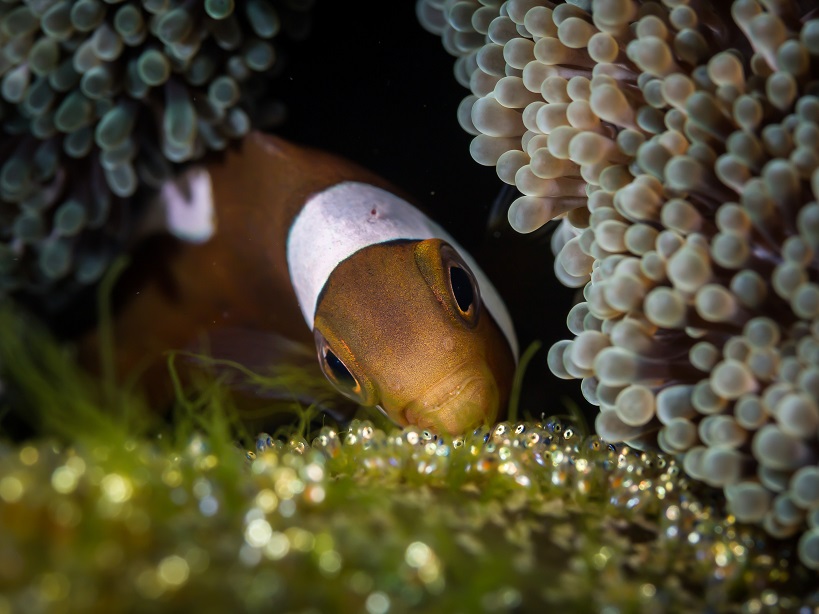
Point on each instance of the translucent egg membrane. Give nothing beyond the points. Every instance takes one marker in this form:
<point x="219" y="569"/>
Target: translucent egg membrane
<point x="680" y="148"/>
<point x="100" y="101"/>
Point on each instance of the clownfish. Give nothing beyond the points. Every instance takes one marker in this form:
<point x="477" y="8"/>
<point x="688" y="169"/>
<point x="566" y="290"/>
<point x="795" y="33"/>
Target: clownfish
<point x="285" y="239"/>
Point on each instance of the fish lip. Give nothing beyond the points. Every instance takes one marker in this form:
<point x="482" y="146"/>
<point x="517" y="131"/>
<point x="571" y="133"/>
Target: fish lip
<point x="422" y="414"/>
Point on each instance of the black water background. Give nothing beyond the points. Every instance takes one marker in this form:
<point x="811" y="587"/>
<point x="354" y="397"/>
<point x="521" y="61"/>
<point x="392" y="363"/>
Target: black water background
<point x="370" y="84"/>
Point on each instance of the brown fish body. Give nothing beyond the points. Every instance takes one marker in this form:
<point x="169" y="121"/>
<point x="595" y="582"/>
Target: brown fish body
<point x="178" y="292"/>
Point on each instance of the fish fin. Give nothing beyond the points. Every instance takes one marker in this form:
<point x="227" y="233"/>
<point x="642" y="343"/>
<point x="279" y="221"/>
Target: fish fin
<point x="183" y="207"/>
<point x="498" y="221"/>
<point x="498" y="229"/>
<point x="255" y="349"/>
<point x="267" y="366"/>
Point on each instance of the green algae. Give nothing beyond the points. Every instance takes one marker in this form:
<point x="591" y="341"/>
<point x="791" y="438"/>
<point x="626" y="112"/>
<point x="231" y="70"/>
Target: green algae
<point x="107" y="507"/>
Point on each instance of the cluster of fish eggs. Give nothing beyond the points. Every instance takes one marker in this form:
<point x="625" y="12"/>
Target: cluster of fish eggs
<point x="99" y="101"/>
<point x="549" y="457"/>
<point x="186" y="520"/>
<point x="516" y="452"/>
<point x="680" y="146"/>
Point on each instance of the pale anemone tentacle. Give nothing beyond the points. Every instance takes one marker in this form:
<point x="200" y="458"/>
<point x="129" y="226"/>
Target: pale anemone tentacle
<point x="101" y="102"/>
<point x="696" y="232"/>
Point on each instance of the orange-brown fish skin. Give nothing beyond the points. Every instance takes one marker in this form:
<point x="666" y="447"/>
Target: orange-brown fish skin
<point x="176" y="292"/>
<point x="421" y="363"/>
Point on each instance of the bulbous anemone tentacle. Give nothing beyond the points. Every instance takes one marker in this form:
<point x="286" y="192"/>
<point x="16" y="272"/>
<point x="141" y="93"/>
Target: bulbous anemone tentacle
<point x="695" y="134"/>
<point x="101" y="102"/>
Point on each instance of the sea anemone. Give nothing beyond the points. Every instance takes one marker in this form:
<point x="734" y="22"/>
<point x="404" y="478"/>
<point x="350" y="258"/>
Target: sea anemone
<point x="680" y="146"/>
<point x="101" y="102"/>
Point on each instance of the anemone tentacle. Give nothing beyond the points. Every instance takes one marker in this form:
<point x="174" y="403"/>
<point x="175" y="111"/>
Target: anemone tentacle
<point x="679" y="145"/>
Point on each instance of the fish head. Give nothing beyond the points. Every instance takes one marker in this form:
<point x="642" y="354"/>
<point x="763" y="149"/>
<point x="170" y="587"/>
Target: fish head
<point x="401" y="325"/>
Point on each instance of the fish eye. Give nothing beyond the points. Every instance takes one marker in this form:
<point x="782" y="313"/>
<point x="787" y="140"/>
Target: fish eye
<point x="341" y="374"/>
<point x="450" y="279"/>
<point x="461" y="288"/>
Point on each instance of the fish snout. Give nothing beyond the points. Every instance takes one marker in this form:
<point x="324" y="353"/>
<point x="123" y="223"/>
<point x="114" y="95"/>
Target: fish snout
<point x="457" y="404"/>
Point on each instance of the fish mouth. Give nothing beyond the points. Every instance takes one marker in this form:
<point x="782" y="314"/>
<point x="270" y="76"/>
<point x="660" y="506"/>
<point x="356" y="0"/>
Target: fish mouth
<point x="455" y="405"/>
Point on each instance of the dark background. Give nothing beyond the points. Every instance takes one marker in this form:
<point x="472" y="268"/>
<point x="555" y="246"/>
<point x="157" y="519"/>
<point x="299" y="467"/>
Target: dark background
<point x="370" y="84"/>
